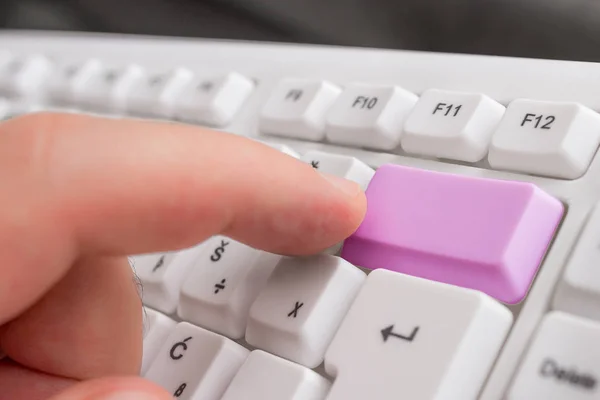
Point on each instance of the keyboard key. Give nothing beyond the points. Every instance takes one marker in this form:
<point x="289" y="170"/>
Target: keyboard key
<point x="410" y="338"/>
<point x="214" y="101"/>
<point x="5" y="109"/>
<point x="452" y="125"/>
<point x="25" y="76"/>
<point x="339" y="165"/>
<point x="111" y="89"/>
<point x="369" y="116"/>
<point x="197" y="364"/>
<point x="157" y="94"/>
<point x="5" y="58"/>
<point x="162" y="276"/>
<point x="485" y="234"/>
<point x="296" y="315"/>
<point x="157" y="328"/>
<point x="283" y="148"/>
<point x="579" y="291"/>
<point x="71" y="80"/>
<point x="267" y="377"/>
<point x="562" y="363"/>
<point x="545" y="138"/>
<point x="17" y="109"/>
<point x="297" y="109"/>
<point x="224" y="282"/>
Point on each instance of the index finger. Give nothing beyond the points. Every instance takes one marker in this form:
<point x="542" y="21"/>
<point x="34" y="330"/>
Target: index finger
<point x="79" y="185"/>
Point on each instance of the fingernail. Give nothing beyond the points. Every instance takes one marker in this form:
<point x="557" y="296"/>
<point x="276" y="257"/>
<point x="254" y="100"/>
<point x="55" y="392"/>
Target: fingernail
<point x="350" y="188"/>
<point x="131" y="395"/>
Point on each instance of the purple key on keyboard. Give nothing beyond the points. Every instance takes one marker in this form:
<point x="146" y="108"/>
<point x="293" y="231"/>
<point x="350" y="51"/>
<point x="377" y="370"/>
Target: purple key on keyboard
<point x="485" y="234"/>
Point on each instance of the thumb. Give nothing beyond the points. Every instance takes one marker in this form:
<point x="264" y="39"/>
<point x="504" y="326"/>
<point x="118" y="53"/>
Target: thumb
<point x="117" y="388"/>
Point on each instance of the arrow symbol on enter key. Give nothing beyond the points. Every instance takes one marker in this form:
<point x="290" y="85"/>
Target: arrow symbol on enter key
<point x="389" y="331"/>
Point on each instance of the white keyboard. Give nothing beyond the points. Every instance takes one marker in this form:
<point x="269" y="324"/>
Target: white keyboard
<point x="475" y="273"/>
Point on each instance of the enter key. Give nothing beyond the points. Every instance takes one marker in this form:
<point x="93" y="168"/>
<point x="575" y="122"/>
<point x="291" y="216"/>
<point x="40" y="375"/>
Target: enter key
<point x="411" y="338"/>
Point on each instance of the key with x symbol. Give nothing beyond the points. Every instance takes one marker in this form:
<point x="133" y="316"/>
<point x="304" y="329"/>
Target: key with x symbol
<point x="294" y="312"/>
<point x="299" y="310"/>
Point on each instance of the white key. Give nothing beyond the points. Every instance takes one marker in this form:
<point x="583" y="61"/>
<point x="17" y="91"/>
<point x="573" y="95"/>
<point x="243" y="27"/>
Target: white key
<point x="157" y="94"/>
<point x="196" y="364"/>
<point x="16" y="109"/>
<point x="157" y="328"/>
<point x="451" y="125"/>
<point x="111" y="89"/>
<point x="411" y="338"/>
<point x="267" y="377"/>
<point x="546" y="138"/>
<point x="223" y="283"/>
<point x="579" y="290"/>
<point x="5" y="109"/>
<point x="70" y="81"/>
<point x="343" y="166"/>
<point x="562" y="362"/>
<point x="5" y="58"/>
<point x="296" y="315"/>
<point x="214" y="101"/>
<point x="297" y="109"/>
<point x="283" y="148"/>
<point x="25" y="76"/>
<point x="369" y="116"/>
<point x="162" y="276"/>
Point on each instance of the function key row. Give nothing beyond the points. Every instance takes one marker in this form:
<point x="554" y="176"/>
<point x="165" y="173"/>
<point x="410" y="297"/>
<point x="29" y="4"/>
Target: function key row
<point x="174" y="94"/>
<point x="535" y="137"/>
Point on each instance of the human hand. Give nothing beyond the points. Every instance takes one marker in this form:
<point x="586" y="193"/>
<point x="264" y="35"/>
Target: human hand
<point x="79" y="194"/>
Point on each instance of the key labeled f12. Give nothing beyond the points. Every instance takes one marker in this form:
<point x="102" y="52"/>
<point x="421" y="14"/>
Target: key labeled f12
<point x="538" y="120"/>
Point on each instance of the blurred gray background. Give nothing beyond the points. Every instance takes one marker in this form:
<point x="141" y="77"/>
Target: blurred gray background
<point x="558" y="29"/>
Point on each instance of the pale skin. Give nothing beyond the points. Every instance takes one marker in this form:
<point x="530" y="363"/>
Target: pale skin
<point x="78" y="194"/>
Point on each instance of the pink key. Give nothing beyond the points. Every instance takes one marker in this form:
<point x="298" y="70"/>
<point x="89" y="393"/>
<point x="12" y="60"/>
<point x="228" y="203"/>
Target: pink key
<point x="485" y="234"/>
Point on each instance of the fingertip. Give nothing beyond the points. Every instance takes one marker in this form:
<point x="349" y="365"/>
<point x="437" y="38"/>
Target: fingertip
<point x="319" y="222"/>
<point x="350" y="208"/>
<point x="345" y="186"/>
